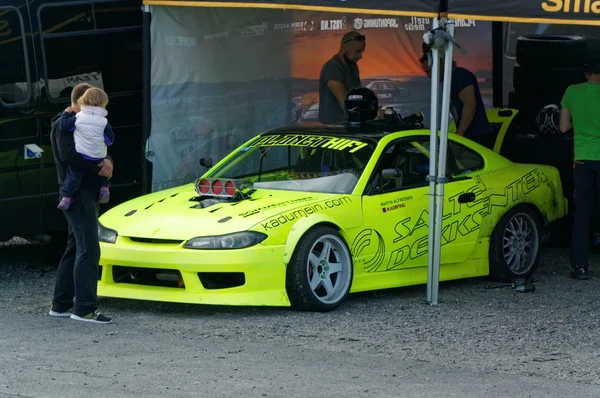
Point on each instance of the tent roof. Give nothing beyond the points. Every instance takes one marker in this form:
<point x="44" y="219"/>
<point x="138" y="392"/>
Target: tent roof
<point x="571" y="12"/>
<point x="417" y="8"/>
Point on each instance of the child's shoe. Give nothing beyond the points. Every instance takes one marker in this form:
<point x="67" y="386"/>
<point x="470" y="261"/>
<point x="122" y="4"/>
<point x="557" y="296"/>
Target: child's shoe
<point x="64" y="204"/>
<point x="104" y="195"/>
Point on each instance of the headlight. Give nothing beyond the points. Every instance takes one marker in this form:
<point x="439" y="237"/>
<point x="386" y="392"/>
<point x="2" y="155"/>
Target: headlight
<point x="106" y="235"/>
<point x="238" y="240"/>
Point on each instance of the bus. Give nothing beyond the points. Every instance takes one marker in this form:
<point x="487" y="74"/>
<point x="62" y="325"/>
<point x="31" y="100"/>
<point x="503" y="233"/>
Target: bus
<point x="46" y="48"/>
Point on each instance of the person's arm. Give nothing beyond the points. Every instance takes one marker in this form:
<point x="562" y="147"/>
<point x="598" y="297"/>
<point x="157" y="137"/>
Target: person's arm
<point x="67" y="121"/>
<point x="467" y="96"/>
<point x="106" y="167"/>
<point x="338" y="89"/>
<point x="109" y="135"/>
<point x="334" y="76"/>
<point x="566" y="121"/>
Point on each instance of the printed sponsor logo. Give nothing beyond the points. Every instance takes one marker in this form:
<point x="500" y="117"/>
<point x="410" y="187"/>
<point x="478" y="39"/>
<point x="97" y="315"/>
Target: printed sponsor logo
<point x="255" y="30"/>
<point x="464" y="222"/>
<point x="360" y="23"/>
<point x="214" y="36"/>
<point x="417" y="24"/>
<point x="181" y="41"/>
<point x="315" y="141"/>
<point x="394" y="204"/>
<point x="394" y="207"/>
<point x="305" y="211"/>
<point x="294" y="26"/>
<point x="395" y="201"/>
<point x="275" y="205"/>
<point x="465" y="23"/>
<point x="334" y="24"/>
<point x="579" y="6"/>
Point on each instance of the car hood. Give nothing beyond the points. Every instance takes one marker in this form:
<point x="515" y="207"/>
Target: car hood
<point x="173" y="214"/>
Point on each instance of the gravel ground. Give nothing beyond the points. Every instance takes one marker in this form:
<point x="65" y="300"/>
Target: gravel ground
<point x="478" y="341"/>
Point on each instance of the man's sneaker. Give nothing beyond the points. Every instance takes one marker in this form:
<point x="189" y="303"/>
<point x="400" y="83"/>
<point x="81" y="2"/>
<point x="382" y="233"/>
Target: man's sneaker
<point x="580" y="274"/>
<point x="57" y="314"/>
<point x="93" y="317"/>
<point x="104" y="195"/>
<point x="64" y="203"/>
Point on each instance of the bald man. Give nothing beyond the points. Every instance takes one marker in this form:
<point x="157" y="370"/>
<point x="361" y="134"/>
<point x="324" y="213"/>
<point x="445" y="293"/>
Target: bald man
<point x="339" y="75"/>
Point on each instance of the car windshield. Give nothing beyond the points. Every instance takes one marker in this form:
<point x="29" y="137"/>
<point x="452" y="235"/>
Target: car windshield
<point x="299" y="162"/>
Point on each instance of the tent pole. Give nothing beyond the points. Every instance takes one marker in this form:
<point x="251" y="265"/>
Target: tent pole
<point x="432" y="177"/>
<point x="146" y="97"/>
<point x="442" y="163"/>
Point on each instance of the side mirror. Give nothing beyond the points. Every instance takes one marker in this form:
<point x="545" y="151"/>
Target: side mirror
<point x="206" y="162"/>
<point x="391" y="173"/>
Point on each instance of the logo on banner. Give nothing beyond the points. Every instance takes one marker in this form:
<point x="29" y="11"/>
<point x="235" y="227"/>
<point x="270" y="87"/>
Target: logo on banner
<point x="464" y="23"/>
<point x="214" y="36"/>
<point x="181" y="41"/>
<point x="255" y="30"/>
<point x="417" y="24"/>
<point x="294" y="26"/>
<point x="592" y="6"/>
<point x="334" y="24"/>
<point x="360" y="23"/>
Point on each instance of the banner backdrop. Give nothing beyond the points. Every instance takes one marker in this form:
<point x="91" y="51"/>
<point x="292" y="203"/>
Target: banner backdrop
<point x="221" y="76"/>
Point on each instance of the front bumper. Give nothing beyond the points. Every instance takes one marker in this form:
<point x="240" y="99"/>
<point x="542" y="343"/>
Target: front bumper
<point x="166" y="272"/>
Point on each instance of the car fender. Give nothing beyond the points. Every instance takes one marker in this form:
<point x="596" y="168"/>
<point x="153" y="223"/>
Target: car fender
<point x="300" y="228"/>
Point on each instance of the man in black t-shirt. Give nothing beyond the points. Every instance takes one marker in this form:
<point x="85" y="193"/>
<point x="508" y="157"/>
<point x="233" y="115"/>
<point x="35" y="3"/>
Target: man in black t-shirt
<point x="339" y="75"/>
<point x="466" y="104"/>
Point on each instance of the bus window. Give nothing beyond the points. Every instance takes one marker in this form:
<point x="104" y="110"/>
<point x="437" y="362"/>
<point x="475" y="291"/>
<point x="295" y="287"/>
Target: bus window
<point x="15" y="81"/>
<point x="80" y="43"/>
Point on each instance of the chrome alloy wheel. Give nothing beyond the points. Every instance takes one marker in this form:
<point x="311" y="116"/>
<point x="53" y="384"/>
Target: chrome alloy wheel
<point x="329" y="269"/>
<point x="520" y="243"/>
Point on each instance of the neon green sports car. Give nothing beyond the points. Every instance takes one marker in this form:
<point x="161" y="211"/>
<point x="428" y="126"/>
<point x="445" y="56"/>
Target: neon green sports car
<point x="303" y="216"/>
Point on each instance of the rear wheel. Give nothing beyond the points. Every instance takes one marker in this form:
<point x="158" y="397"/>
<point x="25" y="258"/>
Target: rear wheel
<point x="515" y="245"/>
<point x="319" y="274"/>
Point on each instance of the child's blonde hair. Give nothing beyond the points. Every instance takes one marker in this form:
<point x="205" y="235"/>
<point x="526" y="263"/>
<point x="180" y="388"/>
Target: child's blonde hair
<point x="93" y="97"/>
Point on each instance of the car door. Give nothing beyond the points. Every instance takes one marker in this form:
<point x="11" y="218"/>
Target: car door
<point x="396" y="207"/>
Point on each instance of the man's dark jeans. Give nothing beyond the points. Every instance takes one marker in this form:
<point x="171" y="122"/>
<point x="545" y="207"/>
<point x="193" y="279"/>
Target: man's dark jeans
<point x="77" y="275"/>
<point x="73" y="181"/>
<point x="585" y="176"/>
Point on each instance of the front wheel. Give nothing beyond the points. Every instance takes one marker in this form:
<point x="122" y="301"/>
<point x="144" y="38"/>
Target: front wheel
<point x="515" y="245"/>
<point x="319" y="274"/>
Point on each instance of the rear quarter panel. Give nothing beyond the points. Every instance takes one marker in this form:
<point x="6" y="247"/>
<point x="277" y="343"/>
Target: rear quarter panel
<point x="499" y="191"/>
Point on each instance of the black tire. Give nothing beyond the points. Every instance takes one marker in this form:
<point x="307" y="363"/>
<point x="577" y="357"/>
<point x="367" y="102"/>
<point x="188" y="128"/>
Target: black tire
<point x="537" y="81"/>
<point x="551" y="51"/>
<point x="529" y="105"/>
<point x="300" y="293"/>
<point x="520" y="216"/>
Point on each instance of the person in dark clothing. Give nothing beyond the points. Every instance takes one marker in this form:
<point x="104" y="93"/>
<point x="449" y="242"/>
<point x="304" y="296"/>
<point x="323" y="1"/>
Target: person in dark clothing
<point x="339" y="75"/>
<point x="580" y="108"/>
<point x="75" y="291"/>
<point x="466" y="104"/>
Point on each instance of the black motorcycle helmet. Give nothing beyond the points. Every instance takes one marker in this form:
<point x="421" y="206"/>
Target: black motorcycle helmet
<point x="361" y="105"/>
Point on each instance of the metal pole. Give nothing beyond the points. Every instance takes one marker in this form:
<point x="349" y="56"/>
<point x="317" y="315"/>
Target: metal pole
<point x="146" y="97"/>
<point x="432" y="177"/>
<point x="442" y="162"/>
